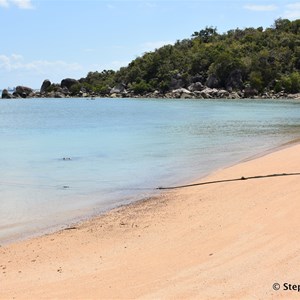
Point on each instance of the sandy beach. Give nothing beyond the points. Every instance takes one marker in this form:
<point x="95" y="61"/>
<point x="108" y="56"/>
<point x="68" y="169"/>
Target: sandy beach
<point x="229" y="240"/>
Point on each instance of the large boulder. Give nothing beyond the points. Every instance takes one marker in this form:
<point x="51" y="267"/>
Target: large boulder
<point x="198" y="78"/>
<point x="212" y="81"/>
<point x="46" y="84"/>
<point x="250" y="92"/>
<point x="197" y="86"/>
<point x="181" y="93"/>
<point x="68" y="82"/>
<point x="176" y="83"/>
<point x="234" y="95"/>
<point x="235" y="80"/>
<point x="118" y="89"/>
<point x="6" y="94"/>
<point x="209" y="93"/>
<point x="65" y="91"/>
<point x="223" y="94"/>
<point x="24" y="91"/>
<point x="59" y="95"/>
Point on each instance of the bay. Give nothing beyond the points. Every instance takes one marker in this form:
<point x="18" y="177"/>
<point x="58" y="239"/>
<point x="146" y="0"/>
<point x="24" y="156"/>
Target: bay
<point x="63" y="160"/>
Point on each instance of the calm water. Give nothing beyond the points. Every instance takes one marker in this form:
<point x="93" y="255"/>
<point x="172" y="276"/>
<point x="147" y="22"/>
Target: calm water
<point x="120" y="151"/>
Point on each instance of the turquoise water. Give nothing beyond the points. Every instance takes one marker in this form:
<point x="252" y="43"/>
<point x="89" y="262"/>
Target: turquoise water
<point x="120" y="151"/>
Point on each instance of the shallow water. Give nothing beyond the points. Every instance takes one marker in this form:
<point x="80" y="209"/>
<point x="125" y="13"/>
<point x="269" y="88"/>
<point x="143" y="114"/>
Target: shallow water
<point x="120" y="151"/>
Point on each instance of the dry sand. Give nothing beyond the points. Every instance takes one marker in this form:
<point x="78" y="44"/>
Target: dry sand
<point x="229" y="240"/>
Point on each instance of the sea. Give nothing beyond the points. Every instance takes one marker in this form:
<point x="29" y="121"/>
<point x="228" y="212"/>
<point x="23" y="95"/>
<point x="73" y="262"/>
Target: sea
<point x="65" y="160"/>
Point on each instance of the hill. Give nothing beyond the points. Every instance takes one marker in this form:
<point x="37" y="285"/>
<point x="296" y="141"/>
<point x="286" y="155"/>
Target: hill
<point x="256" y="59"/>
<point x="239" y="63"/>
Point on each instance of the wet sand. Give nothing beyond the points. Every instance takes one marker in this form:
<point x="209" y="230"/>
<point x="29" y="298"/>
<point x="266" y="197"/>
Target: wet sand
<point x="229" y="240"/>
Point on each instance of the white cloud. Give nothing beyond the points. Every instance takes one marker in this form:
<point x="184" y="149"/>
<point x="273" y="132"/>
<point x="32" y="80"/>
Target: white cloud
<point x="4" y="62"/>
<point x="16" y="56"/>
<point x="293" y="6"/>
<point x="4" y="3"/>
<point x="255" y="7"/>
<point x="292" y="11"/>
<point x="16" y="70"/>
<point x="149" y="4"/>
<point x="16" y="62"/>
<point x="22" y="4"/>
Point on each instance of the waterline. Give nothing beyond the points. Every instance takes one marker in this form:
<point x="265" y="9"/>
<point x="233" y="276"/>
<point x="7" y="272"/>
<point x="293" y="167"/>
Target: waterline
<point x="121" y="151"/>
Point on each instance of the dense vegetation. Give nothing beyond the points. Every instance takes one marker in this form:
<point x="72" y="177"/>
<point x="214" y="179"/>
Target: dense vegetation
<point x="257" y="58"/>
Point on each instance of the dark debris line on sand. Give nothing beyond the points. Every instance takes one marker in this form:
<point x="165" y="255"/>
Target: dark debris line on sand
<point x="228" y="180"/>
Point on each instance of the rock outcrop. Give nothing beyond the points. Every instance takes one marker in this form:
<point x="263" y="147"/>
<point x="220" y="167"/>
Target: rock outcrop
<point x="197" y="86"/>
<point x="212" y="81"/>
<point x="118" y="89"/>
<point x="46" y="84"/>
<point x="23" y="92"/>
<point x="235" y="80"/>
<point x="68" y="82"/>
<point x="195" y="90"/>
<point x="181" y="93"/>
<point x="6" y="94"/>
<point x="250" y="92"/>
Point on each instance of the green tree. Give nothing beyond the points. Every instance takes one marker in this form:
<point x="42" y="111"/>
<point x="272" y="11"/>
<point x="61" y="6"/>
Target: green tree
<point x="290" y="83"/>
<point x="140" y="87"/>
<point x="265" y="58"/>
<point x="256" y="80"/>
<point x="206" y="35"/>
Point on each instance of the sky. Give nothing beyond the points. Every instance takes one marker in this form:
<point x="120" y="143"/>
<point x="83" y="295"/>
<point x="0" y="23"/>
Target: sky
<point x="57" y="39"/>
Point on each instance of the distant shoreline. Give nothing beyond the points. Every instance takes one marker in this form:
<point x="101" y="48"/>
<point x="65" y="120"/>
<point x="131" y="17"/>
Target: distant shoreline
<point x="22" y="92"/>
<point x="179" y="96"/>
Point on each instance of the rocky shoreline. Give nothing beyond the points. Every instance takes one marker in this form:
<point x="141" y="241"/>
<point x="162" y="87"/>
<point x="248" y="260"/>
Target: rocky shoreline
<point x="194" y="91"/>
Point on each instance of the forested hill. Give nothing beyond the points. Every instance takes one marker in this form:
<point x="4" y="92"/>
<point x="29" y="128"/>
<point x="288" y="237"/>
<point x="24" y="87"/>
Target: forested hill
<point x="262" y="59"/>
<point x="250" y="61"/>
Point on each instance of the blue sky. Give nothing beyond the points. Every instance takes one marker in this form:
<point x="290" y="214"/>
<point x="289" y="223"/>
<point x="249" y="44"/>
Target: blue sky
<point x="51" y="39"/>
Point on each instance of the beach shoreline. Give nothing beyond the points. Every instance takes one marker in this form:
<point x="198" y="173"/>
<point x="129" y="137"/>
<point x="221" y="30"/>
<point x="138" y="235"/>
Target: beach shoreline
<point x="77" y="221"/>
<point x="181" y="244"/>
<point x="214" y="135"/>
